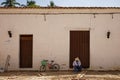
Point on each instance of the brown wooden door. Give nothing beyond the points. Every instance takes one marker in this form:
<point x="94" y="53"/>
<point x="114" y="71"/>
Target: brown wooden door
<point x="79" y="47"/>
<point x="26" y="51"/>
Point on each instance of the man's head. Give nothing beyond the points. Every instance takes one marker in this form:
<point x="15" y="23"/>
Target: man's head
<point x="76" y="59"/>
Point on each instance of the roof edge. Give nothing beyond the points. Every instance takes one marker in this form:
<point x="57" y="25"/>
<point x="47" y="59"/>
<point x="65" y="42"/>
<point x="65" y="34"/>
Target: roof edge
<point x="59" y="7"/>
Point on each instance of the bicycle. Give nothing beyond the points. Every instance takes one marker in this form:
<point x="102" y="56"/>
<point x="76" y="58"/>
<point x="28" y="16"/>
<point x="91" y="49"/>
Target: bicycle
<point x="51" y="65"/>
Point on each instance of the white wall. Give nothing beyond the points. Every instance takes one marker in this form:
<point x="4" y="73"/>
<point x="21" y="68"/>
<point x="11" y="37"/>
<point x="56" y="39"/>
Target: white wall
<point x="105" y="52"/>
<point x="51" y="38"/>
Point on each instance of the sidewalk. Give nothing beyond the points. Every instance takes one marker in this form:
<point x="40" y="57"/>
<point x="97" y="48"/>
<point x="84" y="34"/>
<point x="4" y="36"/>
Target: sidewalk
<point x="61" y="75"/>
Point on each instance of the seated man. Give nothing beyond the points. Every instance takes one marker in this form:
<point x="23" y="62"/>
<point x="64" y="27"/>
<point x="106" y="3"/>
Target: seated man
<point x="77" y="65"/>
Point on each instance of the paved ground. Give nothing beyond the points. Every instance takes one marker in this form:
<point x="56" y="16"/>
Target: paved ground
<point x="61" y="75"/>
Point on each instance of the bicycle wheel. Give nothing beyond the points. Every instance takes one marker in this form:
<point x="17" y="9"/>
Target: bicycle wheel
<point x="56" y="67"/>
<point x="42" y="68"/>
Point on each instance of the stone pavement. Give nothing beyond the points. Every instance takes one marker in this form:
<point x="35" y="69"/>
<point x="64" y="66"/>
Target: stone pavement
<point x="61" y="75"/>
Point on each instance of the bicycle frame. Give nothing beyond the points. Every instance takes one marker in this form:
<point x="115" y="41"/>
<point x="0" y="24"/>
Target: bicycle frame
<point x="49" y="64"/>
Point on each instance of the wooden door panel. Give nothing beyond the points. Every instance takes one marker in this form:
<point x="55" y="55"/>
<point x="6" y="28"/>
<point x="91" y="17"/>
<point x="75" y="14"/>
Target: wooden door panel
<point x="79" y="47"/>
<point x="26" y="51"/>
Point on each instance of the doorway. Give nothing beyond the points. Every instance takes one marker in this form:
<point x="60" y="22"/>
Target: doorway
<point x="79" y="47"/>
<point x="26" y="46"/>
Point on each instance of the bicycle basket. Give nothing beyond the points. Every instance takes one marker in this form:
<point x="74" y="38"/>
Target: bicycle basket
<point x="44" y="62"/>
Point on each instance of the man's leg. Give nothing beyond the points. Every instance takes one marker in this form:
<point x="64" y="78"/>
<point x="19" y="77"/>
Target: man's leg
<point x="80" y="68"/>
<point x="75" y="68"/>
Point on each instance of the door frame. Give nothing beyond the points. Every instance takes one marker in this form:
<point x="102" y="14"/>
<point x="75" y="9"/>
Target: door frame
<point x="20" y="48"/>
<point x="89" y="46"/>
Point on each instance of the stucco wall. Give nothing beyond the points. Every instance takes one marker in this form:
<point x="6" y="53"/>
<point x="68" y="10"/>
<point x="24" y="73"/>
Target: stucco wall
<point x="51" y="38"/>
